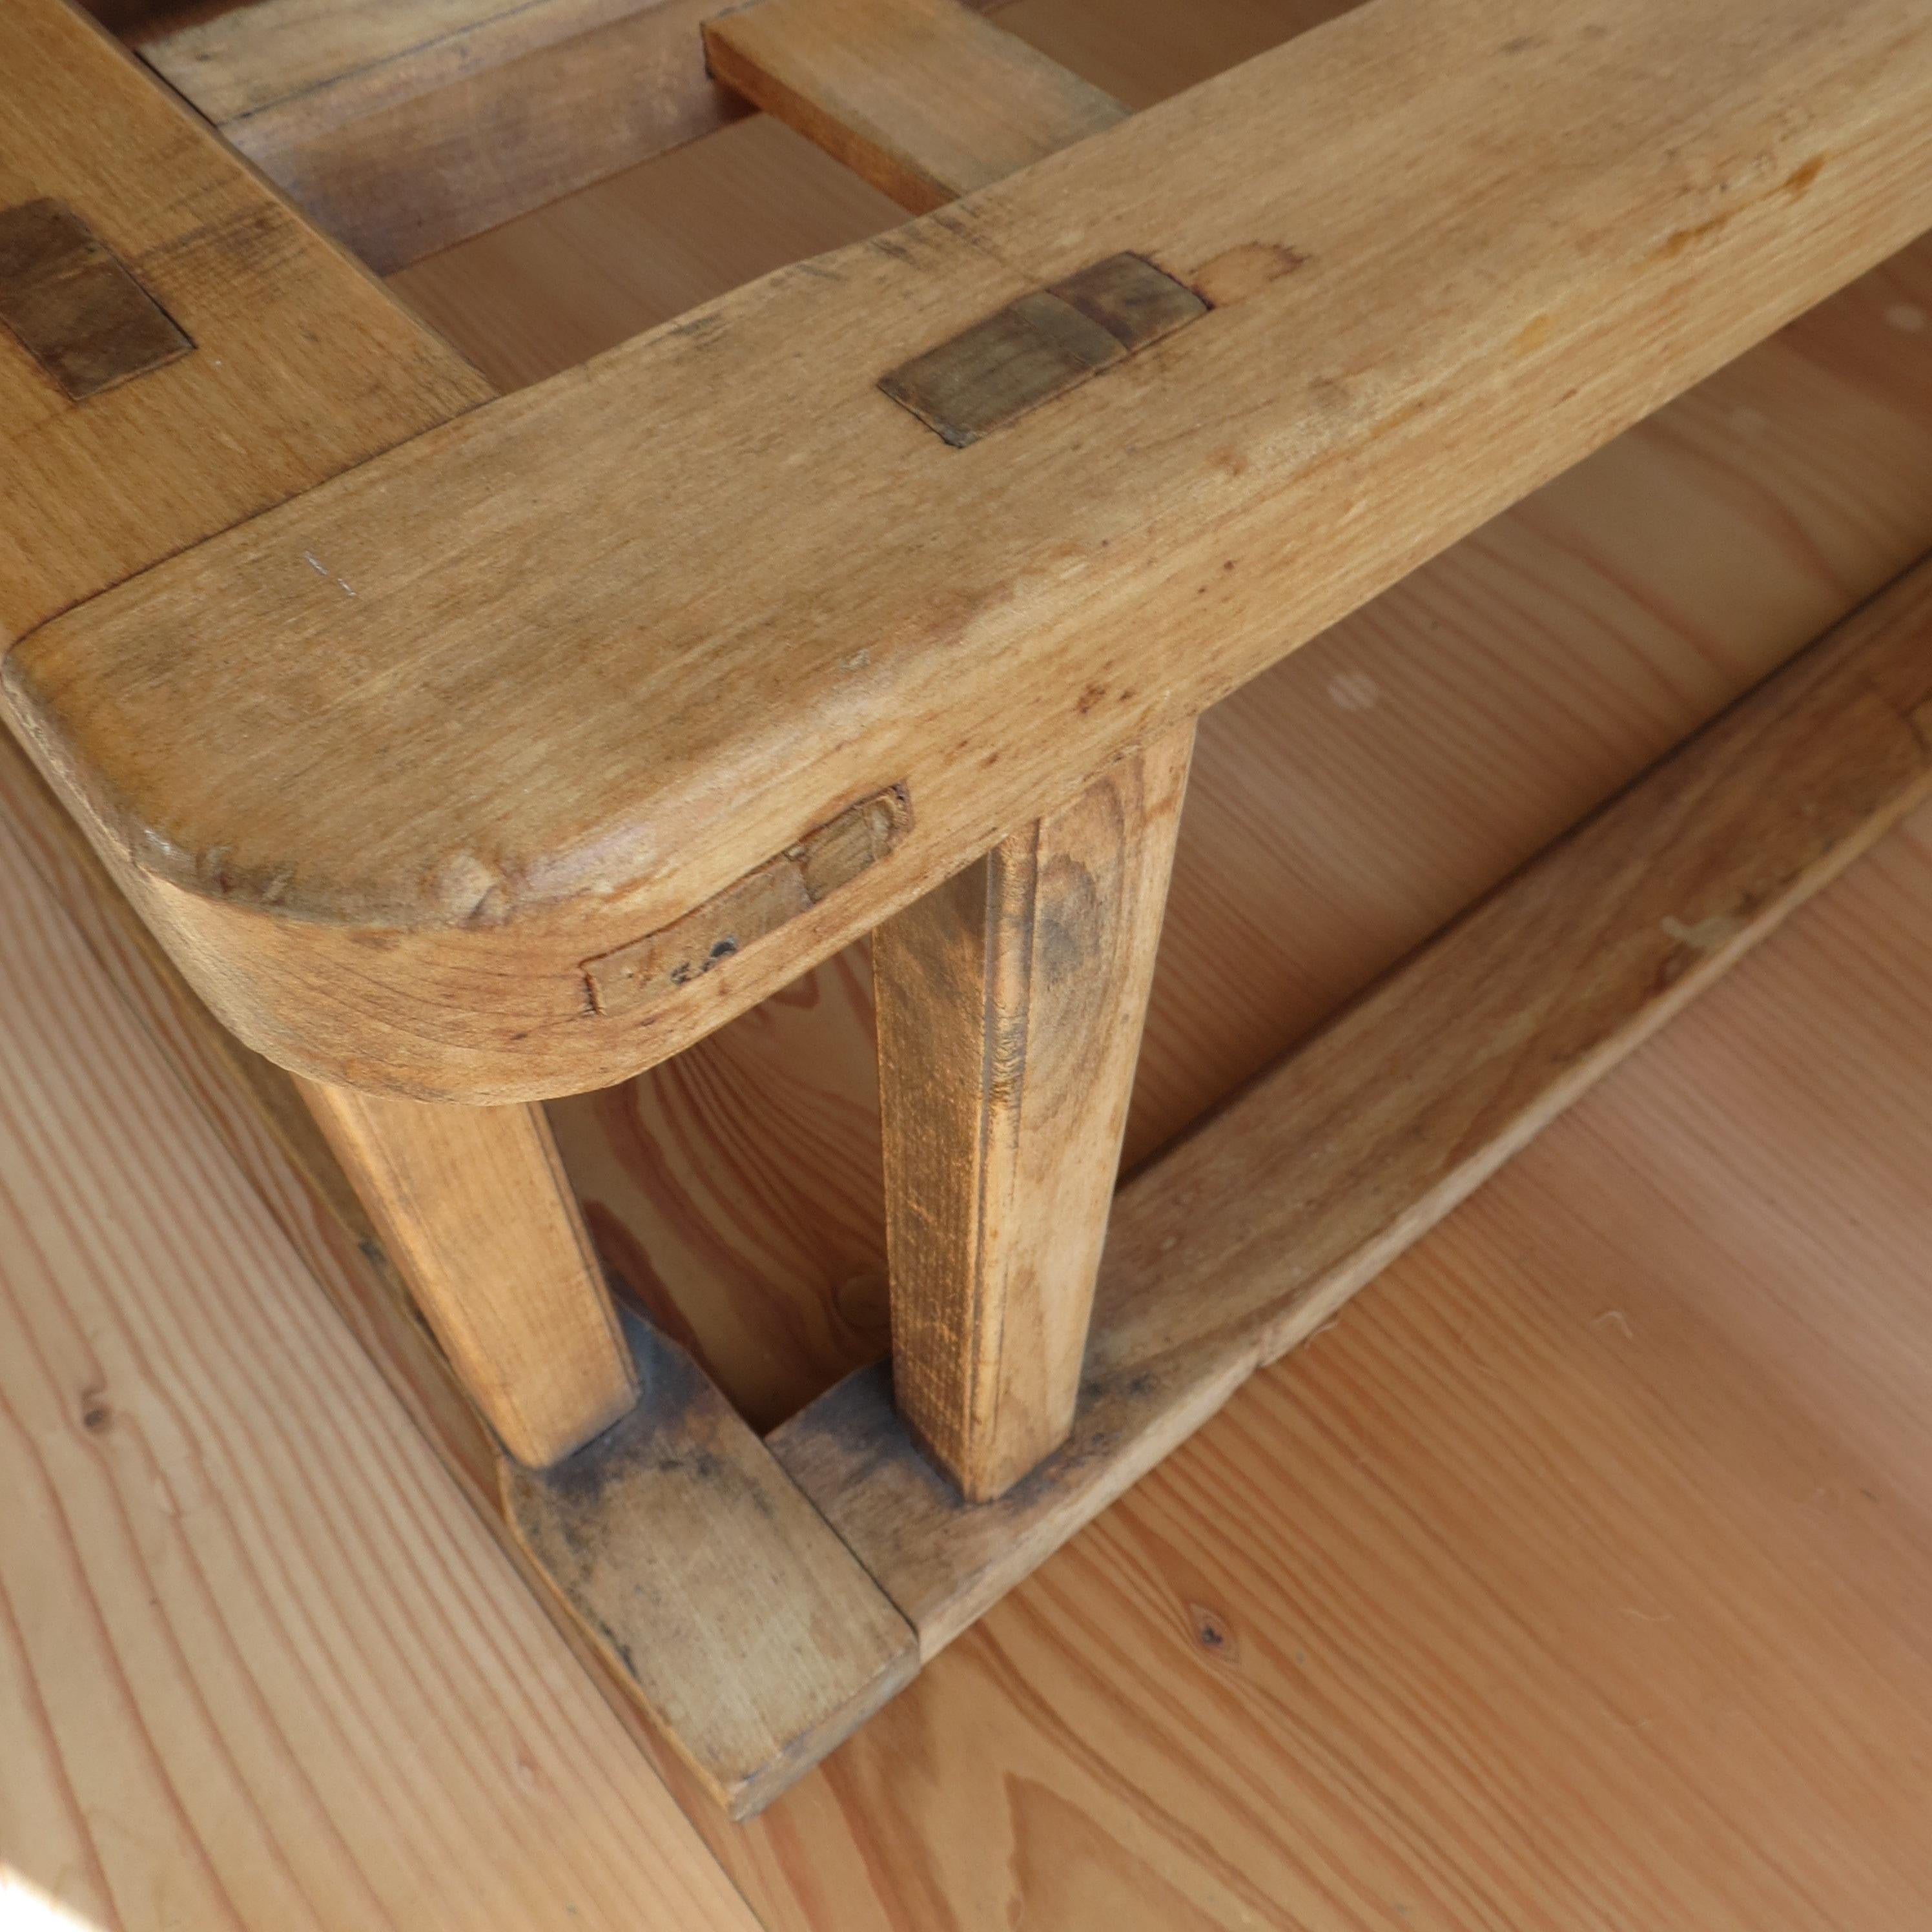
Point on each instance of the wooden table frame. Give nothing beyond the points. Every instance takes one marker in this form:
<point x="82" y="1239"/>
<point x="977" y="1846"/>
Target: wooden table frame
<point x="456" y="753"/>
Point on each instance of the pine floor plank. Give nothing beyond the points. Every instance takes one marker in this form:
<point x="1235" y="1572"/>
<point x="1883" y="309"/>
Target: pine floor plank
<point x="260" y="1666"/>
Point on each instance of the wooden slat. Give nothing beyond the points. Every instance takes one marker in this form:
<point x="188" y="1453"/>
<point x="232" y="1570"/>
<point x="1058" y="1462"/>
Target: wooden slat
<point x="1010" y="1005"/>
<point x="405" y="125"/>
<point x="301" y="366"/>
<point x="1248" y="1235"/>
<point x="472" y="1204"/>
<point x="752" y="1634"/>
<point x="804" y="597"/>
<point x="925" y="99"/>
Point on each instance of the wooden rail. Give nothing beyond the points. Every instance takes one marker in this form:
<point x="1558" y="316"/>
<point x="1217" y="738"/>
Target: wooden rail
<point x="803" y="595"/>
<point x="1252" y="1232"/>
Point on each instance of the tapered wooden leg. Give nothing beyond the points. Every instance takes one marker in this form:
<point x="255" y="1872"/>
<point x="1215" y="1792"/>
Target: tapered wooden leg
<point x="473" y="1206"/>
<point x="1010" y="1004"/>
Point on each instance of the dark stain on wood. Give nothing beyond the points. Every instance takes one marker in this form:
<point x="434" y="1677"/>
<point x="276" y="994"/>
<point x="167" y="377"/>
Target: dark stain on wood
<point x="74" y="306"/>
<point x="647" y="970"/>
<point x="1040" y="346"/>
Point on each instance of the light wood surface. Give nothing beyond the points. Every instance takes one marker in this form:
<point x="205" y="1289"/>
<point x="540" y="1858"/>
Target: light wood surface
<point x="1343" y="806"/>
<point x="1572" y="1578"/>
<point x="406" y="126"/>
<point x="308" y="366"/>
<point x="925" y="99"/>
<point x="752" y="1636"/>
<point x="1588" y="1470"/>
<point x="541" y="294"/>
<point x="472" y="1205"/>
<point x="1252" y="1232"/>
<point x="260" y="1666"/>
<point x="1010" y="1005"/>
<point x="264" y="1126"/>
<point x="1651" y="262"/>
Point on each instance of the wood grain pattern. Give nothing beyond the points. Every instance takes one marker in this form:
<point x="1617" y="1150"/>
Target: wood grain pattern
<point x="750" y="1631"/>
<point x="493" y="889"/>
<point x="308" y="366"/>
<point x="925" y="99"/>
<point x="263" y="1125"/>
<point x="1629" y="1313"/>
<point x="406" y="128"/>
<point x="403" y="128"/>
<point x="551" y="289"/>
<point x="1010" y="1005"/>
<point x="1571" y="1575"/>
<point x="659" y="1623"/>
<point x="1253" y="1231"/>
<point x="1571" y="1578"/>
<point x="260" y="1666"/>
<point x="472" y="1204"/>
<point x="1013" y="995"/>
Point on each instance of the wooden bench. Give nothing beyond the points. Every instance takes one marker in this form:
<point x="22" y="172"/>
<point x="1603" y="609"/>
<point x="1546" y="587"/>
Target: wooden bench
<point x="464" y="751"/>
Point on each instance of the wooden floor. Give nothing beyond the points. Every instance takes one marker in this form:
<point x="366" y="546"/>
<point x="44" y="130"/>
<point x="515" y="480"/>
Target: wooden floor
<point x="1578" y="1577"/>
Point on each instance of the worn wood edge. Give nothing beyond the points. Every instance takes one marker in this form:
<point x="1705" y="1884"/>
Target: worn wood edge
<point x="264" y="1126"/>
<point x="602" y="1529"/>
<point x="277" y="978"/>
<point x="364" y="152"/>
<point x="742" y="76"/>
<point x="1213" y="1270"/>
